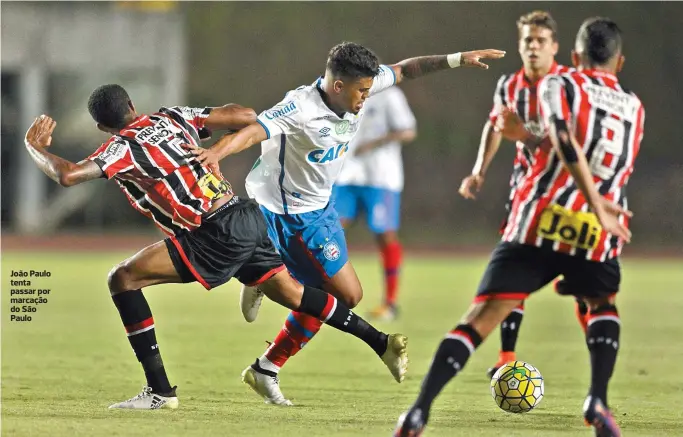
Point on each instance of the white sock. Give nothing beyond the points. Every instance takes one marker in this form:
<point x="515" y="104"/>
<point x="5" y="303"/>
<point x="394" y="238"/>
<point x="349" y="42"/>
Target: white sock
<point x="266" y="364"/>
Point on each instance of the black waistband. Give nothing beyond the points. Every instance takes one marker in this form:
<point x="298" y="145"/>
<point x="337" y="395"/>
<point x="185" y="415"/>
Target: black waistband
<point x="232" y="202"/>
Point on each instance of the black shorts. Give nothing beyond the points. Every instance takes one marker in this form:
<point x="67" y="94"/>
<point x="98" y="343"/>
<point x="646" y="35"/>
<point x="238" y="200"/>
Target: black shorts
<point x="232" y="242"/>
<point x="516" y="270"/>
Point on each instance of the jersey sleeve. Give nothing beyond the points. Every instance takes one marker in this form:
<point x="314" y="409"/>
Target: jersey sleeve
<point x="113" y="157"/>
<point x="553" y="100"/>
<point x="499" y="99"/>
<point x="285" y="118"/>
<point x="385" y="78"/>
<point x="399" y="115"/>
<point x="194" y="116"/>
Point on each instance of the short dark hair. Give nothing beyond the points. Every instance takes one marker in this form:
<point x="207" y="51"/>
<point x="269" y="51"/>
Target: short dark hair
<point x="600" y="38"/>
<point x="352" y="60"/>
<point x="108" y="105"/>
<point x="540" y="19"/>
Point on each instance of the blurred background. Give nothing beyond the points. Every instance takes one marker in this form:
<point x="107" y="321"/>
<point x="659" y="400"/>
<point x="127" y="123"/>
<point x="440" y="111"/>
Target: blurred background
<point x="211" y="53"/>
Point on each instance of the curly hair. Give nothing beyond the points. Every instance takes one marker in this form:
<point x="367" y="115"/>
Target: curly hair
<point x="108" y="105"/>
<point x="352" y="60"/>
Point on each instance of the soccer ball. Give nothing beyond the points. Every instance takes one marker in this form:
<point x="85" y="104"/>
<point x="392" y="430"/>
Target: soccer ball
<point x="517" y="387"/>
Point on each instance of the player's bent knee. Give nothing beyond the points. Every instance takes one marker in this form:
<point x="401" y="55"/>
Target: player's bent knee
<point x="121" y="278"/>
<point x="353" y="299"/>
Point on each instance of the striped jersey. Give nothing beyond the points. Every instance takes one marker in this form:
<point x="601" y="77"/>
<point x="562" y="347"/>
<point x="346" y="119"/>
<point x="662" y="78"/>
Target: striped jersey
<point x="608" y="122"/>
<point x="518" y="94"/>
<point x="158" y="176"/>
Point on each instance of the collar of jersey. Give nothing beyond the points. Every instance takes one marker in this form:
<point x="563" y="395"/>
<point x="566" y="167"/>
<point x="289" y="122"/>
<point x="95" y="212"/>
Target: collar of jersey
<point x="599" y="73"/>
<point x="318" y="88"/>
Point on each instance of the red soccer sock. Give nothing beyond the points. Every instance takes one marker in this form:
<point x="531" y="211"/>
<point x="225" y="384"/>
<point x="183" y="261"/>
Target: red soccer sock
<point x="298" y="330"/>
<point x="392" y="255"/>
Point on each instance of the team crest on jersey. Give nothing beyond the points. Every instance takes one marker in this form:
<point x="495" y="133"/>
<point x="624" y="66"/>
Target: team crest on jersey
<point x="341" y="127"/>
<point x="331" y="251"/>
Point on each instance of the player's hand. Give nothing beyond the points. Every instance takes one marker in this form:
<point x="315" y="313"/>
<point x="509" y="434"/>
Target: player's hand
<point x="510" y="125"/>
<point x="40" y="132"/>
<point x="471" y="185"/>
<point x="608" y="214"/>
<point x="204" y="156"/>
<point x="471" y="59"/>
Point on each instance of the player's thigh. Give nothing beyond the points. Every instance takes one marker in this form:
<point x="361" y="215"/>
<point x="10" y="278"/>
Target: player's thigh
<point x="150" y="266"/>
<point x="345" y="198"/>
<point x="590" y="280"/>
<point x="383" y="209"/>
<point x="515" y="271"/>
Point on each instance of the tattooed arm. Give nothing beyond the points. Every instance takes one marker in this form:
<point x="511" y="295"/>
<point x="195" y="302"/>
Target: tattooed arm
<point x="417" y="67"/>
<point x="64" y="172"/>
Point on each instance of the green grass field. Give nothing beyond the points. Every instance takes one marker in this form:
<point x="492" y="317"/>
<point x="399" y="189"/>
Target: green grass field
<point x="61" y="370"/>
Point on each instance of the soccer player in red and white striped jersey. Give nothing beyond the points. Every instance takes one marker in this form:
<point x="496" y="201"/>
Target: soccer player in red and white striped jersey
<point x="518" y="93"/>
<point x="213" y="235"/>
<point x="569" y="219"/>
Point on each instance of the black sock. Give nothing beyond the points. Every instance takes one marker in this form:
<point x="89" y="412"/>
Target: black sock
<point x="602" y="338"/>
<point x="509" y="329"/>
<point x="581" y="307"/>
<point x="450" y="358"/>
<point x="327" y="308"/>
<point x="137" y="319"/>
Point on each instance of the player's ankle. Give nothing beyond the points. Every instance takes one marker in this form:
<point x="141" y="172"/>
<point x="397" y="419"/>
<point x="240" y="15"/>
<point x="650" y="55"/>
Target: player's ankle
<point x="506" y="356"/>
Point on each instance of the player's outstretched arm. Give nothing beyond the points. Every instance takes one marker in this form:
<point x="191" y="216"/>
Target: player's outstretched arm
<point x="230" y="117"/>
<point x="64" y="172"/>
<point x="417" y="67"/>
<point x="230" y="144"/>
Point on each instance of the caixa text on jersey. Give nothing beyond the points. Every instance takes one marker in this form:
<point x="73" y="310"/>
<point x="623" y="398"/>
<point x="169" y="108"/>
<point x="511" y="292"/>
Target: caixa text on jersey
<point x="321" y="156"/>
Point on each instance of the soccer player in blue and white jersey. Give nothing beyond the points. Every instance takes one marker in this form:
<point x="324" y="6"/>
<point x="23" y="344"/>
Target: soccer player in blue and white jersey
<point x="304" y="141"/>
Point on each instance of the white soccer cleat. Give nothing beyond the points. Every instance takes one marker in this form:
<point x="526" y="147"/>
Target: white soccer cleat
<point x="266" y="385"/>
<point x="250" y="302"/>
<point x="146" y="400"/>
<point x="396" y="356"/>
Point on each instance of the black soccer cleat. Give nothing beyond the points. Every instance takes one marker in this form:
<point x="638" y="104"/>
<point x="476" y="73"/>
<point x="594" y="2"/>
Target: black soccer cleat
<point x="600" y="418"/>
<point x="411" y="423"/>
<point x="492" y="371"/>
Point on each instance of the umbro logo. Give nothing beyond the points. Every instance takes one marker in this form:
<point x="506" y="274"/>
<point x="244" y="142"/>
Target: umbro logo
<point x="325" y="132"/>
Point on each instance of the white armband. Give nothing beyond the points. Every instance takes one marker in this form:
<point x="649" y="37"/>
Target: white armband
<point x="454" y="59"/>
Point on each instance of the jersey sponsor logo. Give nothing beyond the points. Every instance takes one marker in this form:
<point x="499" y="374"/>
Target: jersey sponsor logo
<point x="331" y="251"/>
<point x="113" y="152"/>
<point x="321" y="156"/>
<point x="286" y="109"/>
<point x="341" y="127"/>
<point x="154" y="134"/>
<point x="575" y="228"/>
<point x="612" y="101"/>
